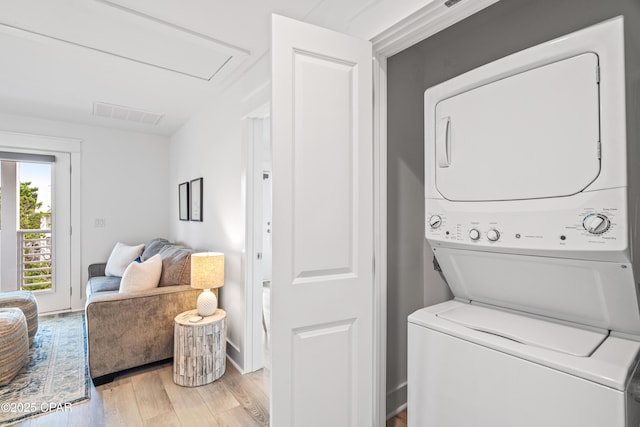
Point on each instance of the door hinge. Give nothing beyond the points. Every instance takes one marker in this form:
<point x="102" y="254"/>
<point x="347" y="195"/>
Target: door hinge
<point x="599" y="150"/>
<point x="70" y="291"/>
<point x="374" y="264"/>
<point x="598" y="74"/>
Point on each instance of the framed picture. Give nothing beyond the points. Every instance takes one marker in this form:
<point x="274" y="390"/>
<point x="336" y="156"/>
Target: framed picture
<point x="196" y="199"/>
<point x="183" y="201"/>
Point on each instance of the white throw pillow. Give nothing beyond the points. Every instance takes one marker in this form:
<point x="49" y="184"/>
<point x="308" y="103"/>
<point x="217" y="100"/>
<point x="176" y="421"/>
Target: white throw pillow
<point x="141" y="276"/>
<point x="121" y="256"/>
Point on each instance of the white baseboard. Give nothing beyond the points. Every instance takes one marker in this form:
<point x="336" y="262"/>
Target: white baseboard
<point x="235" y="364"/>
<point x="234" y="356"/>
<point x="397" y="400"/>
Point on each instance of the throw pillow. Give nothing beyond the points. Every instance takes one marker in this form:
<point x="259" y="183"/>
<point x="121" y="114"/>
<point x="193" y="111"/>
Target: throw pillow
<point x="176" y="265"/>
<point x="141" y="276"/>
<point x="121" y="256"/>
<point x="153" y="247"/>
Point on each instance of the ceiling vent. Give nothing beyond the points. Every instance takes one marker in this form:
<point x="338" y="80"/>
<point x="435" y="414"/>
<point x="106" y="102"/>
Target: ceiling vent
<point x="119" y="112"/>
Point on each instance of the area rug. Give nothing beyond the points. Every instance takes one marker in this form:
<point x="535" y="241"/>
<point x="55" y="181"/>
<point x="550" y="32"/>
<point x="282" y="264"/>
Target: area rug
<point x="57" y="374"/>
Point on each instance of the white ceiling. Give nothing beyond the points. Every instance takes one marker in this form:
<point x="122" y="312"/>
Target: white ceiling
<point x="159" y="56"/>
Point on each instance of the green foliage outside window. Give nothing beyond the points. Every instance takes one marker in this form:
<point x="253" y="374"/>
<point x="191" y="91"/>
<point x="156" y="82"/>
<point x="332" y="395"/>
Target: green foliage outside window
<point x="33" y="255"/>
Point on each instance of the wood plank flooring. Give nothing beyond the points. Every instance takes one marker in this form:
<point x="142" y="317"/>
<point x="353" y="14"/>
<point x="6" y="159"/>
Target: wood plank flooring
<point x="149" y="397"/>
<point x="399" y="420"/>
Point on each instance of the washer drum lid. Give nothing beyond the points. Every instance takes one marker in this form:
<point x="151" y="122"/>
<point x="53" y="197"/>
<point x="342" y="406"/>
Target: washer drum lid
<point x="531" y="135"/>
<point x="527" y="330"/>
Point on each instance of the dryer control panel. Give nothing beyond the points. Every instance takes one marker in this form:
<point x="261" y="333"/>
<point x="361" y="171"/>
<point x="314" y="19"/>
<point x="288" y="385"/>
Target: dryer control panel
<point x="586" y="225"/>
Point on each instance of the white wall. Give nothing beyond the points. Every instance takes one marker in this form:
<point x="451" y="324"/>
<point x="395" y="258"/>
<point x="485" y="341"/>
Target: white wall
<point x="123" y="180"/>
<point x="210" y="146"/>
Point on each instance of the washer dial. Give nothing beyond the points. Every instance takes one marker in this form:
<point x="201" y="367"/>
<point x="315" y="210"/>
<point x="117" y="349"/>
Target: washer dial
<point x="474" y="234"/>
<point x="435" y="221"/>
<point x="596" y="223"/>
<point x="493" y="235"/>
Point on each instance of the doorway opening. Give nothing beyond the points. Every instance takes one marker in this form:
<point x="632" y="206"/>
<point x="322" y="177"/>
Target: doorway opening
<point x="35" y="222"/>
<point x="39" y="193"/>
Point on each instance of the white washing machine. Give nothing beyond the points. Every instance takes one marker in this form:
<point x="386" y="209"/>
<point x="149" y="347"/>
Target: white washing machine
<point x="532" y="221"/>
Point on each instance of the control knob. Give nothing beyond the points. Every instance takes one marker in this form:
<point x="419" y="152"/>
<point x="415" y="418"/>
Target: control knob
<point x="474" y="234"/>
<point x="596" y="223"/>
<point x="493" y="235"/>
<point x="435" y="221"/>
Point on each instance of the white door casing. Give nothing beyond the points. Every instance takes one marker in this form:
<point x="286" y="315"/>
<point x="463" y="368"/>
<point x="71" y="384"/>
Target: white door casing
<point x="266" y="226"/>
<point x="323" y="284"/>
<point x="253" y="137"/>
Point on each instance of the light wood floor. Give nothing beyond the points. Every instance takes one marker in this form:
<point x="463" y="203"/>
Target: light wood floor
<point x="149" y="397"/>
<point x="399" y="420"/>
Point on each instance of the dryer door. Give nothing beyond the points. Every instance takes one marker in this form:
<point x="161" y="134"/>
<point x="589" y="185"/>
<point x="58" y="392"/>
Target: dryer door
<point x="532" y="135"/>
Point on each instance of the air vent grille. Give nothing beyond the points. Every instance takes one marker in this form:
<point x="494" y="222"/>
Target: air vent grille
<point x="129" y="114"/>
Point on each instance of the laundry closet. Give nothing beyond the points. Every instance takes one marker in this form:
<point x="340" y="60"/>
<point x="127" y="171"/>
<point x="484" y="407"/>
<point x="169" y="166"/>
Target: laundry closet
<point x="503" y="29"/>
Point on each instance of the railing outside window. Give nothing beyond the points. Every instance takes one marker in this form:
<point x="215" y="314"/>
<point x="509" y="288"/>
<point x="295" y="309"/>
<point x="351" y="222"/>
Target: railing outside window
<point x="35" y="259"/>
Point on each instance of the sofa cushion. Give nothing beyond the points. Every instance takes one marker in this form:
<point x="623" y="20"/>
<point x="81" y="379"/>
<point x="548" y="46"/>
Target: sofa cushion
<point x="102" y="284"/>
<point x="141" y="276"/>
<point x="153" y="247"/>
<point x="176" y="265"/>
<point x="121" y="256"/>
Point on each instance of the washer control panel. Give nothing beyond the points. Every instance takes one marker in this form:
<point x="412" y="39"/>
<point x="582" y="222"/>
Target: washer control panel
<point x="583" y="222"/>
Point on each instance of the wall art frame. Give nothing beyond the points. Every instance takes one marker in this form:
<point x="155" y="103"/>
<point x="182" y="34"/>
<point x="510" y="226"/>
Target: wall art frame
<point x="183" y="201"/>
<point x="196" y="200"/>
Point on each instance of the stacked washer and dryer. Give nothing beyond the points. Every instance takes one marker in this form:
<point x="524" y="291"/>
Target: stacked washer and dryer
<point x="533" y="222"/>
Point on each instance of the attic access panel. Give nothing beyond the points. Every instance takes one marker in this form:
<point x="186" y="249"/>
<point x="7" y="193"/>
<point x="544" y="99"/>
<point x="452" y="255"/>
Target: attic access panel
<point x="531" y="135"/>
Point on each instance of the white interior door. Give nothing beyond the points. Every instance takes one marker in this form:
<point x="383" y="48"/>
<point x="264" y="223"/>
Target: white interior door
<point x="323" y="284"/>
<point x="59" y="298"/>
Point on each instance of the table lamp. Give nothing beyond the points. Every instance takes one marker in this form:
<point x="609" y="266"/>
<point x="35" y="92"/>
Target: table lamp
<point x="207" y="272"/>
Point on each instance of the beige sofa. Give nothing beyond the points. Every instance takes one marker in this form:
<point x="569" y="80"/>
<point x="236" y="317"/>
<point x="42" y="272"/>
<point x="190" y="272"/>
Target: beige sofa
<point x="133" y="329"/>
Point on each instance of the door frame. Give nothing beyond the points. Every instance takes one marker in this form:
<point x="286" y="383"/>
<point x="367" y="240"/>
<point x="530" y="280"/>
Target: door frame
<point x="24" y="141"/>
<point x="253" y="356"/>
<point x="417" y="26"/>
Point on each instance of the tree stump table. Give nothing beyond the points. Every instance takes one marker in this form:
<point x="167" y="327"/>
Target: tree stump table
<point x="199" y="348"/>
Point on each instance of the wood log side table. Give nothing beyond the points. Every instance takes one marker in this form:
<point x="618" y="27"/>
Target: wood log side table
<point x="199" y="348"/>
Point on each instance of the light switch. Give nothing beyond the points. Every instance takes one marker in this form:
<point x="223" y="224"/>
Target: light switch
<point x="99" y="222"/>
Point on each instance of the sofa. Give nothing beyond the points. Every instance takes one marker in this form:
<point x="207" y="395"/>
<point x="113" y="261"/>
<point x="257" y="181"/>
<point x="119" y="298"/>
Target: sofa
<point x="127" y="330"/>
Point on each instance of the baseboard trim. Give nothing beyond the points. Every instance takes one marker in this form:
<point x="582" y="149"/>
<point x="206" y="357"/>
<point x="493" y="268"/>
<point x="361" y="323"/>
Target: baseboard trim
<point x="234" y="356"/>
<point x="397" y="400"/>
<point x="233" y="362"/>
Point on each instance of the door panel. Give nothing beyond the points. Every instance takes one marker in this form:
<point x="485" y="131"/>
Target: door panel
<point x="531" y="135"/>
<point x="322" y="288"/>
<point x="334" y="374"/>
<point x="60" y="297"/>
<point x="323" y="202"/>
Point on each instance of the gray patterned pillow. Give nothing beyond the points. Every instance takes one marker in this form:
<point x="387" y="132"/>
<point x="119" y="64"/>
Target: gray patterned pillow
<point x="176" y="265"/>
<point x="153" y="247"/>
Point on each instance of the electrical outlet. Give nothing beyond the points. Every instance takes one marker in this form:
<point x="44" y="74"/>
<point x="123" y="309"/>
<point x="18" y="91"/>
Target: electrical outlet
<point x="99" y="223"/>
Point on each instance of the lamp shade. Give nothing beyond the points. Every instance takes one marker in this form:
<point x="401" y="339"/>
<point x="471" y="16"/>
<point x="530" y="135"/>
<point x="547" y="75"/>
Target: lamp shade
<point x="207" y="270"/>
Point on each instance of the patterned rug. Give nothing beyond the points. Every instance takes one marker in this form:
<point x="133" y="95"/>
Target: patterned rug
<point x="57" y="374"/>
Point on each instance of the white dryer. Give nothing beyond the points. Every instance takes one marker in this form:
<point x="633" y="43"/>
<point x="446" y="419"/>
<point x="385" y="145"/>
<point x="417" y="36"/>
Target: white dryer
<point x="532" y="221"/>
